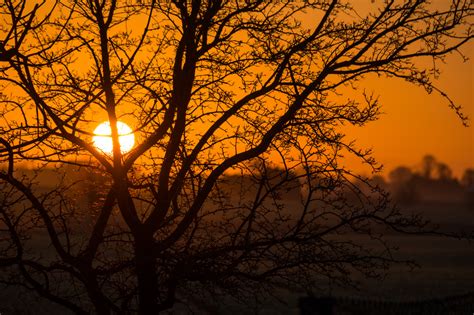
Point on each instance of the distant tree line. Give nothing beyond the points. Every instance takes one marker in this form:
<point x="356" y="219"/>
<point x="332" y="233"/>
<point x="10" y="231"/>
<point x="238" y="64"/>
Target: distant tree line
<point x="408" y="185"/>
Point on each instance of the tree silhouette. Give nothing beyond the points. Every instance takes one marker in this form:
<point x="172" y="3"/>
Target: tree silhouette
<point x="211" y="88"/>
<point x="432" y="169"/>
<point x="467" y="179"/>
<point x="428" y="166"/>
<point x="401" y="180"/>
<point x="444" y="172"/>
<point x="400" y="176"/>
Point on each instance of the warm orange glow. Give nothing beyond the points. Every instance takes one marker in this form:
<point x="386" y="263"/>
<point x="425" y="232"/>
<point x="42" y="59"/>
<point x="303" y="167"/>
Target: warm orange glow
<point x="103" y="141"/>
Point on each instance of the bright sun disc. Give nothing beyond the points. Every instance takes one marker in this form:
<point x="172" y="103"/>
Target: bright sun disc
<point x="103" y="141"/>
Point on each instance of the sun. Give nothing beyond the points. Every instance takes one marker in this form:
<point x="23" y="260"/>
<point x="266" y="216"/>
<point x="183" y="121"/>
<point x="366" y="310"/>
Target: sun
<point x="103" y="141"/>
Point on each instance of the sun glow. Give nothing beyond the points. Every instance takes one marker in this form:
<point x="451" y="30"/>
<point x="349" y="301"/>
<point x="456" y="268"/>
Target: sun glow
<point x="103" y="141"/>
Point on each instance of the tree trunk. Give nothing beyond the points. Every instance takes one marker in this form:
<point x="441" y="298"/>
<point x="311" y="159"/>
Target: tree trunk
<point x="100" y="305"/>
<point x="146" y="275"/>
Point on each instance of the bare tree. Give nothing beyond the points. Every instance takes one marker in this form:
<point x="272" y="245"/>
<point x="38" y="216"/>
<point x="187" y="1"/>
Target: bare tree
<point x="214" y="90"/>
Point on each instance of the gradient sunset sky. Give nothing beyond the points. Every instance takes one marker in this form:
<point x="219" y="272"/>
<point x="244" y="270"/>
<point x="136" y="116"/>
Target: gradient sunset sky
<point x="415" y="123"/>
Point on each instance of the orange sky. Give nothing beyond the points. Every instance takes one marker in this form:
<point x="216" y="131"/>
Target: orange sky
<point x="415" y="123"/>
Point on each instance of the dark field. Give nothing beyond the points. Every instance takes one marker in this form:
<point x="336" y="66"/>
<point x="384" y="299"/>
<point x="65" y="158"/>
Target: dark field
<point x="446" y="268"/>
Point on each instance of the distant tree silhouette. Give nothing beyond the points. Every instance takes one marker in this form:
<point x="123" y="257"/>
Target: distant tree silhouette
<point x="212" y="89"/>
<point x="402" y="184"/>
<point x="379" y="180"/>
<point x="428" y="166"/>
<point x="444" y="172"/>
<point x="467" y="179"/>
<point x="432" y="169"/>
<point x="400" y="175"/>
<point x="434" y="182"/>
